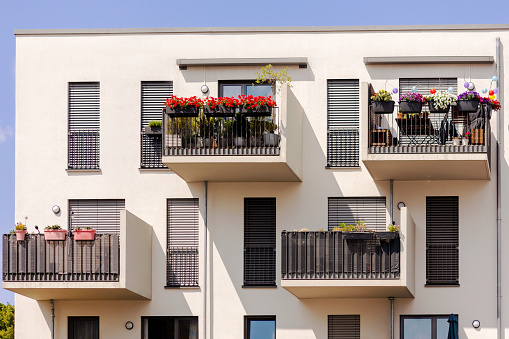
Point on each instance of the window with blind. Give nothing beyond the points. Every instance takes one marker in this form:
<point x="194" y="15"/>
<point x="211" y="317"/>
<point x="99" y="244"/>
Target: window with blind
<point x="349" y="210"/>
<point x="83" y="327"/>
<point x="344" y="326"/>
<point x="259" y="242"/>
<point x="182" y="243"/>
<point x="343" y="123"/>
<point x="442" y="241"/>
<point x="169" y="327"/>
<point x="153" y="96"/>
<point x="102" y="215"/>
<point x="425" y="84"/>
<point x="83" y="126"/>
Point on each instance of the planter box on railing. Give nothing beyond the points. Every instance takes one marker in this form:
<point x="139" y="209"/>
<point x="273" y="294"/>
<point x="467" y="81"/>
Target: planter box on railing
<point x="182" y="112"/>
<point x="86" y="235"/>
<point x="219" y="111"/>
<point x="58" y="235"/>
<point x="410" y="106"/>
<point x="20" y="234"/>
<point x="153" y="130"/>
<point x="468" y="106"/>
<point x="328" y="255"/>
<point x="259" y="111"/>
<point x="383" y="107"/>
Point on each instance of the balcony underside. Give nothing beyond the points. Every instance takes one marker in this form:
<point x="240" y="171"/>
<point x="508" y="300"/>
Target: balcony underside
<point x="72" y="290"/>
<point x="231" y="169"/>
<point x="319" y="289"/>
<point x="409" y="167"/>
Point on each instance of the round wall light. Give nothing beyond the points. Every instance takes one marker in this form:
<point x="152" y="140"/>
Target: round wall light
<point x="401" y="204"/>
<point x="476" y="324"/>
<point x="55" y="209"/>
<point x="204" y="89"/>
<point x="129" y="325"/>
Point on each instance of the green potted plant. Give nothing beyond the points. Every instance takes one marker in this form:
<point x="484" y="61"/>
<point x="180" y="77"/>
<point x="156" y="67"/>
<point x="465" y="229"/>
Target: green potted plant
<point x="468" y="102"/>
<point x="356" y="232"/>
<point x="270" y="138"/>
<point x="154" y="127"/>
<point x="391" y="233"/>
<point x="382" y="102"/>
<point x="183" y="107"/>
<point x="411" y="102"/>
<point x="20" y="230"/>
<point x="54" y="232"/>
<point x="269" y="76"/>
<point x="440" y="101"/>
<point x="84" y="234"/>
<point x="257" y="127"/>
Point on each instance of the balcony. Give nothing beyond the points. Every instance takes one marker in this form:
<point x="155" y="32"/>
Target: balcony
<point x="330" y="265"/>
<point x="420" y="146"/>
<point x="112" y="267"/>
<point x="223" y="147"/>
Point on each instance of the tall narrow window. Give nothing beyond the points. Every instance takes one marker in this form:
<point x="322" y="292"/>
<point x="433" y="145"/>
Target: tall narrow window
<point x="102" y="215"/>
<point x="83" y="327"/>
<point x="83" y="133"/>
<point x="182" y="242"/>
<point x="343" y="123"/>
<point x="344" y="326"/>
<point x="349" y="210"/>
<point x="153" y="96"/>
<point x="260" y="242"/>
<point x="260" y="327"/>
<point x="442" y="241"/>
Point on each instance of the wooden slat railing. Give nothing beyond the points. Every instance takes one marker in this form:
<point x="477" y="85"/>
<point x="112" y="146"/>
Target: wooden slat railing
<point x="327" y="255"/>
<point x="36" y="259"/>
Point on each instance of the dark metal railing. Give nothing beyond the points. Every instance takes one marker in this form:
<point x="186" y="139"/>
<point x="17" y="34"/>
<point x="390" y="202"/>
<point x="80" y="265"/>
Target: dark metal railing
<point x="230" y="134"/>
<point x="36" y="259"/>
<point x="182" y="266"/>
<point x="328" y="255"/>
<point x="429" y="132"/>
<point x="83" y="149"/>
<point x="260" y="265"/>
<point x="343" y="147"/>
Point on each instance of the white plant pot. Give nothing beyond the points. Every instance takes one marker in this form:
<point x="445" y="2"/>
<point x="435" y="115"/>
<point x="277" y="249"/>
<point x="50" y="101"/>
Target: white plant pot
<point x="456" y="142"/>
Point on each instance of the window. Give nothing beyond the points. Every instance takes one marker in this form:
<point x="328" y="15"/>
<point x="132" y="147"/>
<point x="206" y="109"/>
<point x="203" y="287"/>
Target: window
<point x="169" y="327"/>
<point x="182" y="243"/>
<point x="153" y="96"/>
<point x="372" y="210"/>
<point x="102" y="215"/>
<point x="425" y="84"/>
<point x="260" y="242"/>
<point x="83" y="327"/>
<point x="424" y="326"/>
<point x="343" y="123"/>
<point x="260" y="327"/>
<point x="442" y="241"/>
<point x="83" y="132"/>
<point x="344" y="326"/>
<point x="236" y="88"/>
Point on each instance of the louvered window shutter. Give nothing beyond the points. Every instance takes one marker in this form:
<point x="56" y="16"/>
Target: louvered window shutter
<point x="343" y="123"/>
<point x="259" y="241"/>
<point x="442" y="241"/>
<point x="83" y="134"/>
<point x="344" y="327"/>
<point x="372" y="210"/>
<point x="182" y="243"/>
<point x="425" y="84"/>
<point x="153" y="96"/>
<point x="102" y="215"/>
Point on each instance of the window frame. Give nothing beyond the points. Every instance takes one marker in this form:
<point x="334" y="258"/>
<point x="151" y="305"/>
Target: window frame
<point x="249" y="318"/>
<point x="432" y="317"/>
<point x="243" y="84"/>
<point x="176" y="325"/>
<point x="356" y="319"/>
<point x="70" y="324"/>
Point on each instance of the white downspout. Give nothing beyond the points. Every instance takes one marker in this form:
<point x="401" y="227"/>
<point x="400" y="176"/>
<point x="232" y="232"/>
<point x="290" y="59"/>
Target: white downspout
<point x="205" y="303"/>
<point x="499" y="203"/>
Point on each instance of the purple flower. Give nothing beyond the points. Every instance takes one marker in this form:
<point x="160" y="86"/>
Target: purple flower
<point x="469" y="96"/>
<point x="412" y="97"/>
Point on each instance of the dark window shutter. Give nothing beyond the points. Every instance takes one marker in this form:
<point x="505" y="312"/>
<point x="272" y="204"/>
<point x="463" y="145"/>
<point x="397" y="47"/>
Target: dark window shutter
<point x="83" y="133"/>
<point x="442" y="241"/>
<point x="259" y="241"/>
<point x="344" y="327"/>
<point x="343" y="123"/>
<point x="153" y="96"/>
<point x="182" y="243"/>
<point x="102" y="215"/>
<point x="372" y="210"/>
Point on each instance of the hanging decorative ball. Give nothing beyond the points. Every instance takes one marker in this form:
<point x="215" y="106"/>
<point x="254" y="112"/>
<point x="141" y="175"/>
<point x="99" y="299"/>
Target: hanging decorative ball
<point x="432" y="91"/>
<point x="491" y="92"/>
<point x="450" y="90"/>
<point x="492" y="97"/>
<point x="394" y="90"/>
<point x="495" y="90"/>
<point x="414" y="89"/>
<point x="466" y="84"/>
<point x="485" y="90"/>
<point x="471" y="86"/>
<point x="494" y="78"/>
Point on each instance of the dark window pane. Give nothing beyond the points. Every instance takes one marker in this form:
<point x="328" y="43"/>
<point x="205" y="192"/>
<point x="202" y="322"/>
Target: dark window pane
<point x="417" y="328"/>
<point x="262" y="329"/>
<point x="188" y="329"/>
<point x="83" y="327"/>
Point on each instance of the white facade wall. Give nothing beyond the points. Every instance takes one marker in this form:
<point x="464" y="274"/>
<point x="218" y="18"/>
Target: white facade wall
<point x="45" y="64"/>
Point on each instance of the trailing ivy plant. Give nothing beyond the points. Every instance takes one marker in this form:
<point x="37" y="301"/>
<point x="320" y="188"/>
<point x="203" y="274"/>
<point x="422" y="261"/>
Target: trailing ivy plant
<point x="269" y="76"/>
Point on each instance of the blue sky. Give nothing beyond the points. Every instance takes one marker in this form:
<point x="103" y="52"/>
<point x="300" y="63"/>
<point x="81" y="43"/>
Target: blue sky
<point x="17" y="14"/>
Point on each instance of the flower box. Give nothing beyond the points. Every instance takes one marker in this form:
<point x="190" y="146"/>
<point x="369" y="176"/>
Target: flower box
<point x="410" y="106"/>
<point x="154" y="130"/>
<point x="433" y="109"/>
<point x="219" y="111"/>
<point x="259" y="111"/>
<point x="58" y="235"/>
<point x="358" y="235"/>
<point x="20" y="235"/>
<point x="468" y="106"/>
<point x="87" y="235"/>
<point x="182" y="112"/>
<point x="383" y="107"/>
<point x="387" y="235"/>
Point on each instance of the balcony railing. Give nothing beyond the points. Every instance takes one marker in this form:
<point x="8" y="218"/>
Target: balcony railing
<point x="36" y="259"/>
<point x="428" y="132"/>
<point x="227" y="133"/>
<point x="83" y="149"/>
<point x="329" y="255"/>
<point x="182" y="267"/>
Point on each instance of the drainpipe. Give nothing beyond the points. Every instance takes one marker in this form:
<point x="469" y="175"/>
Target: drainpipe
<point x="392" y="316"/>
<point x="52" y="303"/>
<point x="499" y="203"/>
<point x="205" y="304"/>
<point x="390" y="203"/>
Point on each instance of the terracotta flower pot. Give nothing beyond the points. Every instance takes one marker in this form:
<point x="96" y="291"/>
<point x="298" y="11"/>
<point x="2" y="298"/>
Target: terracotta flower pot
<point x="84" y="234"/>
<point x="20" y="235"/>
<point x="58" y="235"/>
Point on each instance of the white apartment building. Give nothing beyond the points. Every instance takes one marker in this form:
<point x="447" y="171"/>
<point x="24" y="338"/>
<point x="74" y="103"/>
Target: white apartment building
<point x="211" y="230"/>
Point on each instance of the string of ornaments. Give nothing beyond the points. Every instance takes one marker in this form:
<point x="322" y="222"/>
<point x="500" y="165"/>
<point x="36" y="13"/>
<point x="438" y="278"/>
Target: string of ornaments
<point x="467" y="85"/>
